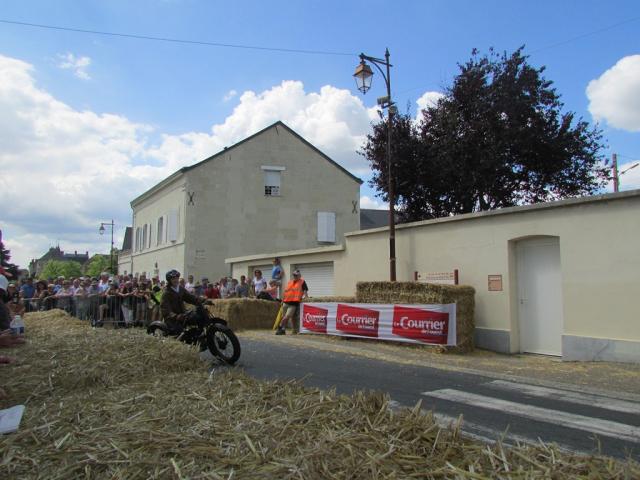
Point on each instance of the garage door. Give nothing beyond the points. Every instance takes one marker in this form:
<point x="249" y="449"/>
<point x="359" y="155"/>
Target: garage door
<point x="319" y="278"/>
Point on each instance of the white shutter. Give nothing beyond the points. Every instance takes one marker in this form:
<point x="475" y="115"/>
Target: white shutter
<point x="172" y="226"/>
<point x="160" y="234"/>
<point x="319" y="278"/>
<point x="327" y="227"/>
<point x="272" y="183"/>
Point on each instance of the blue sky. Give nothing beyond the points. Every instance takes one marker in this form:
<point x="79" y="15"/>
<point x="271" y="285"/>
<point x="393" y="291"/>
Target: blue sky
<point x="91" y="121"/>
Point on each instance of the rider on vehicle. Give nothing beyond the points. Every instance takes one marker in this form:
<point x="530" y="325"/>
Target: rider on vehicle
<point x="172" y="304"/>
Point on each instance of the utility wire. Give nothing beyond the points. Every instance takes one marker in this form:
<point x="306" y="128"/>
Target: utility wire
<point x="588" y="34"/>
<point x="569" y="40"/>
<point x="177" y="40"/>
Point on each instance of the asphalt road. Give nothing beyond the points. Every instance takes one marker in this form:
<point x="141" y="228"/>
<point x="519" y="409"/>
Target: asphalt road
<point x="491" y="408"/>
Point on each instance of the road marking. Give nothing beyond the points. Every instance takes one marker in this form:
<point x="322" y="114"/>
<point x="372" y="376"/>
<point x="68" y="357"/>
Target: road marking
<point x="570" y="420"/>
<point x="599" y="401"/>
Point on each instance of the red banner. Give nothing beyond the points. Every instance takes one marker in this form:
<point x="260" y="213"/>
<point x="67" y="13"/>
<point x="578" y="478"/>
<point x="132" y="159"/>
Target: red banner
<point x="426" y="324"/>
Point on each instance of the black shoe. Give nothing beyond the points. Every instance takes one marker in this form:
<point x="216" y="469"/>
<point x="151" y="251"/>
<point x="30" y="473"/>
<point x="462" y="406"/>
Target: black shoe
<point x="280" y="331"/>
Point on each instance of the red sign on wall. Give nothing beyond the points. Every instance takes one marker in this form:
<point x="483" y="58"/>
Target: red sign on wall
<point x="422" y="325"/>
<point x="357" y="321"/>
<point x="315" y="319"/>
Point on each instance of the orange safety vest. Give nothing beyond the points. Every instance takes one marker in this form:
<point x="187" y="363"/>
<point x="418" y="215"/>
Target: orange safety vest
<point x="293" y="292"/>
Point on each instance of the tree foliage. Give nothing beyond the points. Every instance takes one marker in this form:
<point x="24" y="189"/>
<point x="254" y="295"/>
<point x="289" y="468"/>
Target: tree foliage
<point x="97" y="265"/>
<point x="55" y="268"/>
<point x="6" y="266"/>
<point x="497" y="138"/>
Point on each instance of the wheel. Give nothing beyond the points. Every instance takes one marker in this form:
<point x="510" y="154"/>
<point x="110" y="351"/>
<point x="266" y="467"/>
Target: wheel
<point x="223" y="343"/>
<point x="157" y="330"/>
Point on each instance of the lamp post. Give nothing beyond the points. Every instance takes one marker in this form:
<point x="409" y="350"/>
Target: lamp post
<point x="363" y="76"/>
<point x="101" y="230"/>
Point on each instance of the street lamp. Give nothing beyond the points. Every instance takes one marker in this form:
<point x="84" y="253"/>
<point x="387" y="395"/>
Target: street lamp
<point x="101" y="230"/>
<point x="363" y="76"/>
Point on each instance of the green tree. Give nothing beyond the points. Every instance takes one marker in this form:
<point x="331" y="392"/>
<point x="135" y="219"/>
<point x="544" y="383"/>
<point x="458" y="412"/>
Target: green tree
<point x="5" y="266"/>
<point x="497" y="138"/>
<point x="97" y="265"/>
<point x="55" y="268"/>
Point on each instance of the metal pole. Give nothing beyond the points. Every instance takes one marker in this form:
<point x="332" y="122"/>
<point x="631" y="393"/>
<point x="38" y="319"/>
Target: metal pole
<point x="111" y="258"/>
<point x="616" y="179"/>
<point x="392" y="197"/>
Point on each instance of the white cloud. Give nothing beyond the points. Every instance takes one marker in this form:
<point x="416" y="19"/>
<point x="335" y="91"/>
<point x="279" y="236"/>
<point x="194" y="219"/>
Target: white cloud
<point x="65" y="170"/>
<point x="368" y="202"/>
<point x="79" y="65"/>
<point x="428" y="99"/>
<point x="229" y="95"/>
<point x="333" y="120"/>
<point x="615" y="95"/>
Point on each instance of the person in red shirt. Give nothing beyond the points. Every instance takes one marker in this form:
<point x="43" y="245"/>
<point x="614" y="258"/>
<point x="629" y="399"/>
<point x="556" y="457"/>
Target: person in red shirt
<point x="211" y="291"/>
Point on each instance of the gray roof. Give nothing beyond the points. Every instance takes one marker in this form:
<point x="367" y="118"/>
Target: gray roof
<point x="126" y="243"/>
<point x="370" y="218"/>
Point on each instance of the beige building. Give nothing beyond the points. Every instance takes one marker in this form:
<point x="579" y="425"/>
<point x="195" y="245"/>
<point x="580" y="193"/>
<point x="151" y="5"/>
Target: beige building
<point x="559" y="278"/>
<point x="271" y="191"/>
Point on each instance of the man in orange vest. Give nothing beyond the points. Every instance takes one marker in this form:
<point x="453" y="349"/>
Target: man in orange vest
<point x="294" y="293"/>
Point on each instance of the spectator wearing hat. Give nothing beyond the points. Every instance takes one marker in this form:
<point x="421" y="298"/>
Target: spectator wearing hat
<point x="294" y="293"/>
<point x="13" y="300"/>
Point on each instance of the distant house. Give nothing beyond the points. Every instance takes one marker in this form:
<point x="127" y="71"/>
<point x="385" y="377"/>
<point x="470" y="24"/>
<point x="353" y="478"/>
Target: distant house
<point x="271" y="191"/>
<point x="124" y="256"/>
<point x="37" y="265"/>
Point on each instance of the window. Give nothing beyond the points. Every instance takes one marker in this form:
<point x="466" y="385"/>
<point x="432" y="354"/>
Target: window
<point x="160" y="235"/>
<point x="150" y="231"/>
<point x="172" y="226"/>
<point x="144" y="237"/>
<point x="272" y="183"/>
<point x="327" y="227"/>
<point x="272" y="180"/>
<point x="137" y="244"/>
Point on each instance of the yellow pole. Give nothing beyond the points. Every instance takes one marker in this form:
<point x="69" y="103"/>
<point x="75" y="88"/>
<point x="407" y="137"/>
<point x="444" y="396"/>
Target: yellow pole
<point x="278" y="317"/>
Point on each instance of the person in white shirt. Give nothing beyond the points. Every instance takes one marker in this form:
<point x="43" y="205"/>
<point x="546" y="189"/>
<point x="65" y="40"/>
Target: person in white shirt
<point x="258" y="282"/>
<point x="189" y="286"/>
<point x="224" y="287"/>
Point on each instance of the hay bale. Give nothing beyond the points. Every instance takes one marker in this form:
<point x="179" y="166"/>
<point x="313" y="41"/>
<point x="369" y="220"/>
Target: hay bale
<point x="330" y="300"/>
<point x="246" y="313"/>
<point x="427" y="293"/>
<point x="167" y="423"/>
<point x="64" y="355"/>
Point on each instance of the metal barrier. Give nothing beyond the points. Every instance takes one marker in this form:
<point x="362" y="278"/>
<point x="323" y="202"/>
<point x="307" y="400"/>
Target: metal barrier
<point x="99" y="309"/>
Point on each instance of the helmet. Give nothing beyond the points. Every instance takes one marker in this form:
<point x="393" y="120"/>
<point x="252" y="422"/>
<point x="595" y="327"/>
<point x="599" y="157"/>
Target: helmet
<point x="172" y="274"/>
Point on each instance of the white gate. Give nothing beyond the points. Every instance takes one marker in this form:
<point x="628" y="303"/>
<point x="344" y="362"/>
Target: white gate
<point x="540" y="296"/>
<point x="319" y="278"/>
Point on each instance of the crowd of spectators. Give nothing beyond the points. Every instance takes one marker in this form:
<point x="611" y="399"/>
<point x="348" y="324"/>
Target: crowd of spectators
<point x="126" y="299"/>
